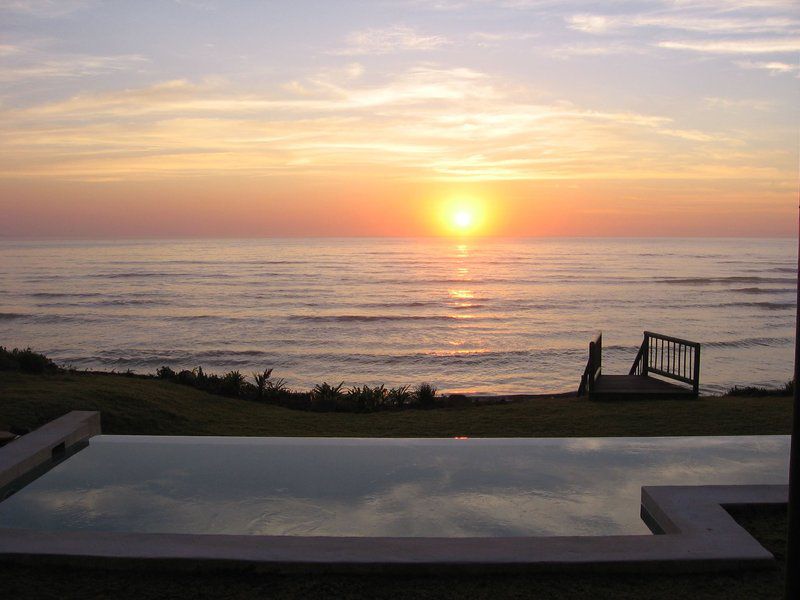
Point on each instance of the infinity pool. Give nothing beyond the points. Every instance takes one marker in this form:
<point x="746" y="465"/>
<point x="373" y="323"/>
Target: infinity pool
<point x="379" y="487"/>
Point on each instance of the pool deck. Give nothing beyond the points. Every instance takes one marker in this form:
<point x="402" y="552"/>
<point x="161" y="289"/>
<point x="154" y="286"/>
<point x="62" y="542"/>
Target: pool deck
<point x="696" y="535"/>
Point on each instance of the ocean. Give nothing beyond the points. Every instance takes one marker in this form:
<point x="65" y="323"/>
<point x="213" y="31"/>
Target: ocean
<point x="489" y="316"/>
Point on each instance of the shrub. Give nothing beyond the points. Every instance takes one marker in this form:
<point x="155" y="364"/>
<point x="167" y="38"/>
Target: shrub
<point x="7" y="360"/>
<point x="261" y="380"/>
<point x="325" y="397"/>
<point x="752" y="390"/>
<point x="25" y="360"/>
<point x="399" y="397"/>
<point x="231" y="383"/>
<point x="276" y="389"/>
<point x="458" y="400"/>
<point x="425" y="395"/>
<point x="186" y="377"/>
<point x="366" y="399"/>
<point x="166" y="373"/>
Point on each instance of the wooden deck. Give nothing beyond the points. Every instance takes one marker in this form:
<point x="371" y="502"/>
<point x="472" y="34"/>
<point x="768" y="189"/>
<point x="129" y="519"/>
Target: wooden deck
<point x="664" y="356"/>
<point x="621" y="387"/>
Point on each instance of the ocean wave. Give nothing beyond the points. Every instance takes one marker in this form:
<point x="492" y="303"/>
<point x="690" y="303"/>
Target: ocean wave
<point x="9" y="316"/>
<point x="46" y="318"/>
<point x="220" y="360"/>
<point x="764" y="305"/>
<point x="409" y="304"/>
<point x="209" y="318"/>
<point x="160" y="275"/>
<point x="65" y="294"/>
<point x="102" y="303"/>
<point x="731" y="279"/>
<point x="750" y="342"/>
<point x="372" y="318"/>
<point x="759" y="290"/>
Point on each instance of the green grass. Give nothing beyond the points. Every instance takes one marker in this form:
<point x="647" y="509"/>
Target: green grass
<point x="132" y="405"/>
<point x="149" y="406"/>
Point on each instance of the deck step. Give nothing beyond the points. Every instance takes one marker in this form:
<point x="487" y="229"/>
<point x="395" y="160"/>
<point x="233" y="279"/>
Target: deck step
<point x="636" y="387"/>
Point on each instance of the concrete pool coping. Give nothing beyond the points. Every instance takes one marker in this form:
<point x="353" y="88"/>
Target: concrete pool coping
<point x="39" y="447"/>
<point x="697" y="534"/>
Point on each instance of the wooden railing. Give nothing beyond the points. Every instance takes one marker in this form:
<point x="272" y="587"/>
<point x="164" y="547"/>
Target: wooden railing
<point x="593" y="367"/>
<point x="669" y="357"/>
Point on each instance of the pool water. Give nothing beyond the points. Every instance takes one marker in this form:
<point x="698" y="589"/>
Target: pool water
<point x="379" y="487"/>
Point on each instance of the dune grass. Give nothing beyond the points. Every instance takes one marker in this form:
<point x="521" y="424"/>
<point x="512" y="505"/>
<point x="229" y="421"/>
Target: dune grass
<point x="131" y="405"/>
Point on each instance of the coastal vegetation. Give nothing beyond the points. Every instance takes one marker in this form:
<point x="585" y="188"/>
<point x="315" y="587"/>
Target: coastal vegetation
<point x="787" y="389"/>
<point x="149" y="405"/>
<point x="25" y="360"/>
<point x="323" y="397"/>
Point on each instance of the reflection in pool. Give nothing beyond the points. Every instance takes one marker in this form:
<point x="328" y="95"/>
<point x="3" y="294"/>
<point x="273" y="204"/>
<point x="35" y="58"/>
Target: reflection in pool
<point x="379" y="487"/>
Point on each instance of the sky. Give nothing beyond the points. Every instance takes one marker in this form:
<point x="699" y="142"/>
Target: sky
<point x="388" y="118"/>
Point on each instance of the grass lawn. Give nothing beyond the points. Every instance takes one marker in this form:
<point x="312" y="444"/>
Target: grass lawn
<point x="146" y="406"/>
<point x="150" y="406"/>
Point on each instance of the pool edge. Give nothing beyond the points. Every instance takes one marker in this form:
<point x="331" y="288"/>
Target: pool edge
<point x="42" y="445"/>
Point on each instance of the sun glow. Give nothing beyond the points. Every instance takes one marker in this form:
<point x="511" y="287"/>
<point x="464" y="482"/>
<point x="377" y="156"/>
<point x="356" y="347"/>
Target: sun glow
<point x="462" y="216"/>
<point x="462" y="219"/>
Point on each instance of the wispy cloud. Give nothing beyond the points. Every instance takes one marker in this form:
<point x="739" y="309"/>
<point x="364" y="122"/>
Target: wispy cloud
<point x="716" y="103"/>
<point x="601" y="24"/>
<point x="773" y="67"/>
<point x="49" y="9"/>
<point x="388" y="40"/>
<point x="65" y="66"/>
<point x="606" y="49"/>
<point x="9" y="50"/>
<point x="487" y="39"/>
<point x="733" y="46"/>
<point x="426" y="122"/>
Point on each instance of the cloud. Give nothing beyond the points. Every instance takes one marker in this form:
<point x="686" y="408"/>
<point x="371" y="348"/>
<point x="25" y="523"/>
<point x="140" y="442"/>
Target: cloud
<point x="46" y="9"/>
<point x="388" y="40"/>
<point x="601" y="24"/>
<point x="76" y="65"/>
<point x="716" y="103"/>
<point x="606" y="49"/>
<point x="773" y="67"/>
<point x="486" y="39"/>
<point x="732" y="46"/>
<point x="427" y="122"/>
<point x="9" y="50"/>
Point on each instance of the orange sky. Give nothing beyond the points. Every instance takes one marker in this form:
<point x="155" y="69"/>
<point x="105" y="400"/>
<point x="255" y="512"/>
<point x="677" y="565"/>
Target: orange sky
<point x="657" y="119"/>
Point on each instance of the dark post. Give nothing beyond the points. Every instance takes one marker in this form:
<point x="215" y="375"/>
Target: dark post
<point x="793" y="544"/>
<point x="645" y="353"/>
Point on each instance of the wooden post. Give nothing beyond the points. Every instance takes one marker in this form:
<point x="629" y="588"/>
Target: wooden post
<point x="696" y="374"/>
<point x="793" y="536"/>
<point x="645" y="353"/>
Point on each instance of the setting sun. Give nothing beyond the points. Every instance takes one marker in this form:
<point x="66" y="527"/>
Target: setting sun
<point x="462" y="219"/>
<point x="463" y="214"/>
